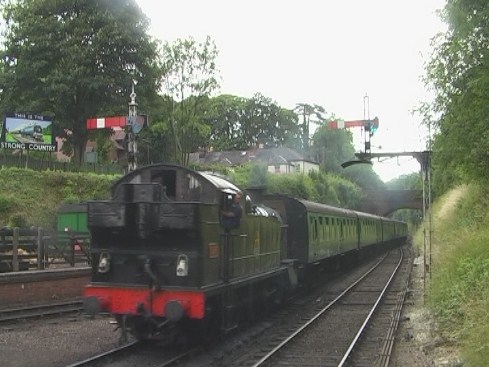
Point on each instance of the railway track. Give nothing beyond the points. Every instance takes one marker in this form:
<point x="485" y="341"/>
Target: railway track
<point x="384" y="322"/>
<point x="323" y="341"/>
<point x="10" y="315"/>
<point x="334" y="335"/>
<point x="330" y="337"/>
<point x="137" y="353"/>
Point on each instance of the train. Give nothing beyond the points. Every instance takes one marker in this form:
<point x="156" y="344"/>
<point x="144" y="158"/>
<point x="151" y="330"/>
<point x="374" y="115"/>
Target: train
<point x="33" y="131"/>
<point x="165" y="263"/>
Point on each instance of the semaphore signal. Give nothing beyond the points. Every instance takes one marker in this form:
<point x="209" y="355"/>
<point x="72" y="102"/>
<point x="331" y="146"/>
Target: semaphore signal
<point x="132" y="124"/>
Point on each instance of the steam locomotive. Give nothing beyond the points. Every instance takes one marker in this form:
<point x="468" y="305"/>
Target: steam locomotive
<point x="33" y="131"/>
<point x="164" y="262"/>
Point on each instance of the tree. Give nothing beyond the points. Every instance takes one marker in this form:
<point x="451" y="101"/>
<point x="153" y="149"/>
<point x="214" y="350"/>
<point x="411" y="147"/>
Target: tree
<point x="75" y="59"/>
<point x="191" y="76"/>
<point x="224" y="114"/>
<point x="458" y="75"/>
<point x="332" y="147"/>
<point x="309" y="113"/>
<point x="155" y="143"/>
<point x="241" y="123"/>
<point x="266" y="123"/>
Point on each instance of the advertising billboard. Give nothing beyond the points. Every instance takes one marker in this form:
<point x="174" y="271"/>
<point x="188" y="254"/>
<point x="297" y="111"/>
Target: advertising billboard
<point x="27" y="132"/>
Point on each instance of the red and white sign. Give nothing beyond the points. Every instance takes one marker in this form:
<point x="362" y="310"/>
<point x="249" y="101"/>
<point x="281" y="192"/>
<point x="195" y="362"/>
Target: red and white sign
<point x="106" y="122"/>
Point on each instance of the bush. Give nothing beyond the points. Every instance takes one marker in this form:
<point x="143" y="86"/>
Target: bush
<point x="34" y="197"/>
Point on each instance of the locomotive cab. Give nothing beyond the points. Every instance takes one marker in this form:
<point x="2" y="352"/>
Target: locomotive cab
<point x="232" y="210"/>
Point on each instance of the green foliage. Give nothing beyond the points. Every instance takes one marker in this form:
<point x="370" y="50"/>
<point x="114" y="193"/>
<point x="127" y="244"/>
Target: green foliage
<point x="5" y="204"/>
<point x="457" y="73"/>
<point x="411" y="181"/>
<point x="332" y="147"/>
<point x="459" y="294"/>
<point x="18" y="219"/>
<point x="224" y="114"/>
<point x="191" y="76"/>
<point x="34" y="197"/>
<point x="364" y="176"/>
<point x="315" y="186"/>
<point x="241" y="123"/>
<point x="308" y="114"/>
<point x="239" y="175"/>
<point x="258" y="176"/>
<point x="72" y="60"/>
<point x="348" y="193"/>
<point x="298" y="185"/>
<point x="155" y="144"/>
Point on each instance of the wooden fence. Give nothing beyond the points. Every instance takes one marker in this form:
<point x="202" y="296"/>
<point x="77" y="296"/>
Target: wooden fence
<point x="37" y="249"/>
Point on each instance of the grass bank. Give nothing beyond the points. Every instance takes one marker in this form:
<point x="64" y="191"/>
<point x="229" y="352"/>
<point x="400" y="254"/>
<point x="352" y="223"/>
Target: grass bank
<point x="32" y="198"/>
<point x="459" y="287"/>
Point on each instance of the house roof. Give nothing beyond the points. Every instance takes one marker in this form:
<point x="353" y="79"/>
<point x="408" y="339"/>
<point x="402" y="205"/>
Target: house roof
<point x="280" y="155"/>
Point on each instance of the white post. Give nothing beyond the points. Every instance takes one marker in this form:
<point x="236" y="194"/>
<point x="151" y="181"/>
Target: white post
<point x="132" y="148"/>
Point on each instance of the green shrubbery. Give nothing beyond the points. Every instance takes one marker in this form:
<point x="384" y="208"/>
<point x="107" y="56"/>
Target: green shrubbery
<point x="459" y="292"/>
<point x="32" y="198"/>
<point x="316" y="186"/>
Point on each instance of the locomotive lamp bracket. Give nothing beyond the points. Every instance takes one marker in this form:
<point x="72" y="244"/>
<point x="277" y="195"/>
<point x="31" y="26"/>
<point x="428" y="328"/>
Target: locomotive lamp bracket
<point x="182" y="265"/>
<point x="104" y="263"/>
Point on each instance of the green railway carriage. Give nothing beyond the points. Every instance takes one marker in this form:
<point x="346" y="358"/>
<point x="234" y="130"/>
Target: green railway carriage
<point x="313" y="231"/>
<point x="370" y="229"/>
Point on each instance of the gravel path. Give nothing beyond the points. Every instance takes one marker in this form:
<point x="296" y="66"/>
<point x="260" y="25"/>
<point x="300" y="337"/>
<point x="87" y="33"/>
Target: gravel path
<point x="56" y="342"/>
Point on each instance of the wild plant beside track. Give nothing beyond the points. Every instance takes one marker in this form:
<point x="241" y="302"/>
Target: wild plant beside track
<point x="458" y="290"/>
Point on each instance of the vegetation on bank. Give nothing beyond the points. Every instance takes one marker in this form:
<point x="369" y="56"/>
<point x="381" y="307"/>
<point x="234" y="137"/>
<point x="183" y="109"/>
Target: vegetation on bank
<point x="32" y="198"/>
<point x="459" y="292"/>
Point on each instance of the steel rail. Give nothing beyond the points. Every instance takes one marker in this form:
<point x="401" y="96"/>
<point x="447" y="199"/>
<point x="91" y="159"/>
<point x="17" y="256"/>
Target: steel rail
<point x="319" y="314"/>
<point x="103" y="355"/>
<point x="35" y="311"/>
<point x="372" y="310"/>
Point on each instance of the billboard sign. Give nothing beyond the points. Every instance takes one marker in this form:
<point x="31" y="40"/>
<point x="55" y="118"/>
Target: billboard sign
<point x="27" y="132"/>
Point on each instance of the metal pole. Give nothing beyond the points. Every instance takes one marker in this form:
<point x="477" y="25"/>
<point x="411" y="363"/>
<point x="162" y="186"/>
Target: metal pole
<point x="427" y="215"/>
<point x="132" y="148"/>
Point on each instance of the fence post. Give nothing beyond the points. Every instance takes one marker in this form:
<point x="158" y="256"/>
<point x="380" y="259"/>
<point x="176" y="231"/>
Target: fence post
<point x="40" y="249"/>
<point x="15" y="248"/>
<point x="45" y="251"/>
<point x="72" y="248"/>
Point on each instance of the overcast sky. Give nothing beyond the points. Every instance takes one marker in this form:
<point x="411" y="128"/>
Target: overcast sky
<point x="325" y="52"/>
